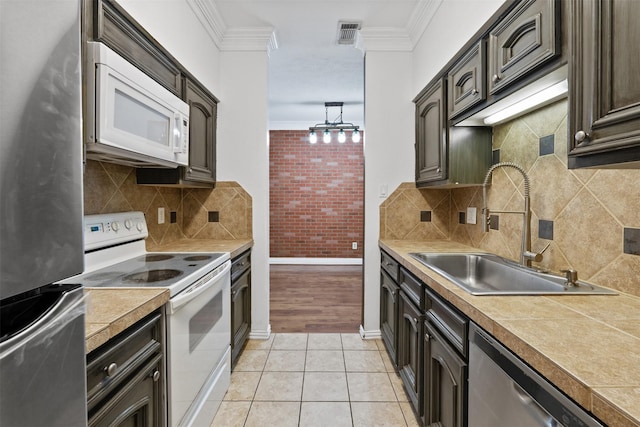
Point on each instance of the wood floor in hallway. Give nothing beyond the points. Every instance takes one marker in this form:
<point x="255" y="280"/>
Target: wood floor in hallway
<point x="316" y="298"/>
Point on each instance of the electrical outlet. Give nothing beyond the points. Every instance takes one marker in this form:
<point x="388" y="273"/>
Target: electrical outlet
<point x="472" y="215"/>
<point x="354" y="245"/>
<point x="160" y="215"/>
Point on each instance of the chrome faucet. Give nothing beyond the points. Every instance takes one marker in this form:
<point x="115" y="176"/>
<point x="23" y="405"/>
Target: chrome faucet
<point x="526" y="255"/>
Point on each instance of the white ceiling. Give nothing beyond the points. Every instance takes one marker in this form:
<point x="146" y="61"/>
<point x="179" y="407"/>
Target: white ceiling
<point x="308" y="67"/>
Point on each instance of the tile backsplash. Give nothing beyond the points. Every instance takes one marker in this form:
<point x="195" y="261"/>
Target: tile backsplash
<point x="584" y="215"/>
<point x="112" y="188"/>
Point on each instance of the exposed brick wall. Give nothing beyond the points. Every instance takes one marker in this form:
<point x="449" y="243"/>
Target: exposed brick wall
<point x="316" y="196"/>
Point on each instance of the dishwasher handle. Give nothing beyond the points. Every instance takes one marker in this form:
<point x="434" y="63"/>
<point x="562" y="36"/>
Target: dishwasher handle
<point x="201" y="286"/>
<point x="533" y="407"/>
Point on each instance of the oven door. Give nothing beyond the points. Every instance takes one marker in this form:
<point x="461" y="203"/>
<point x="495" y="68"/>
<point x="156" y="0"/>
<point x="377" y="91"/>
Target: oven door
<point x="199" y="336"/>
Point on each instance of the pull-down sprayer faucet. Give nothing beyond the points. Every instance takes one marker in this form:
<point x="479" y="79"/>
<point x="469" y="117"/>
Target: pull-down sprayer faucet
<point x="526" y="256"/>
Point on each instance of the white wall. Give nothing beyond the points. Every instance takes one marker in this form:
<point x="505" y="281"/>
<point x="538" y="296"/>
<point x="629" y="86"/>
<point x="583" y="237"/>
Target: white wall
<point x="175" y="26"/>
<point x="453" y="25"/>
<point x="243" y="156"/>
<point x="388" y="158"/>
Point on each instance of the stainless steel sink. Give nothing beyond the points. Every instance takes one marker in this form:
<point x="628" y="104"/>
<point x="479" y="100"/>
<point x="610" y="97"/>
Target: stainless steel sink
<point x="488" y="274"/>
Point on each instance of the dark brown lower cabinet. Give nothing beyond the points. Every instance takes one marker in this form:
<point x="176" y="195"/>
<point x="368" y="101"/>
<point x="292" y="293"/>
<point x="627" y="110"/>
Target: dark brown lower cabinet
<point x="445" y="375"/>
<point x="410" y="347"/>
<point x="240" y="304"/>
<point x="125" y="377"/>
<point x="389" y="294"/>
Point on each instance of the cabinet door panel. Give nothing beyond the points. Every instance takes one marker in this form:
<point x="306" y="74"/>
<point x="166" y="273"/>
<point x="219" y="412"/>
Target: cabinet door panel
<point x="523" y="40"/>
<point x="431" y="135"/>
<point x="202" y="126"/>
<point x="389" y="314"/>
<point x="447" y="377"/>
<point x="410" y="348"/>
<point x="467" y="81"/>
<point x="605" y="91"/>
<point x="240" y="314"/>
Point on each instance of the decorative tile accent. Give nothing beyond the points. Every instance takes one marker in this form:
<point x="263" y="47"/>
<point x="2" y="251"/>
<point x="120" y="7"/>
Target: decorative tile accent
<point x="214" y="216"/>
<point x="632" y="241"/>
<point x="547" y="145"/>
<point x="425" y="216"/>
<point x="494" y="222"/>
<point x="462" y="218"/>
<point x="545" y="229"/>
<point x="495" y="157"/>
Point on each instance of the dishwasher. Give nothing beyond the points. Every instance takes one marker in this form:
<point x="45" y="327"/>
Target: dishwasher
<point x="504" y="391"/>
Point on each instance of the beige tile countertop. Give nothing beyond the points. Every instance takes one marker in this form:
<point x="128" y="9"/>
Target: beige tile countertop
<point x="587" y="345"/>
<point x="234" y="247"/>
<point x="111" y="311"/>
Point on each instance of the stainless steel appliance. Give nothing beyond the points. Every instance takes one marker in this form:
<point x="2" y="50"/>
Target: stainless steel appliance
<point x="198" y="314"/>
<point x="504" y="391"/>
<point x="42" y="342"/>
<point x="130" y="118"/>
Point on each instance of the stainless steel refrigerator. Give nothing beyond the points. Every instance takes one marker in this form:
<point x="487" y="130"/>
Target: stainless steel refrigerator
<point x="42" y="343"/>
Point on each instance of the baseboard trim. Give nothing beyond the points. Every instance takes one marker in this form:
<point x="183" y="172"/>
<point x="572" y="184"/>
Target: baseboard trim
<point x="316" y="261"/>
<point x="260" y="335"/>
<point x="370" y="335"/>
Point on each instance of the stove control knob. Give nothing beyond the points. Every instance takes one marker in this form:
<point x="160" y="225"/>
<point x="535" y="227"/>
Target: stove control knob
<point x="139" y="225"/>
<point x="115" y="225"/>
<point x="127" y="224"/>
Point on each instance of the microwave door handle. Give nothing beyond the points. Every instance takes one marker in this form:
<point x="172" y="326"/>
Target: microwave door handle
<point x="177" y="133"/>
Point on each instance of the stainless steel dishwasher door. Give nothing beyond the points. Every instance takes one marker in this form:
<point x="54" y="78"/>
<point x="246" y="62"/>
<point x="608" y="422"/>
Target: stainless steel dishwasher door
<point x="504" y="391"/>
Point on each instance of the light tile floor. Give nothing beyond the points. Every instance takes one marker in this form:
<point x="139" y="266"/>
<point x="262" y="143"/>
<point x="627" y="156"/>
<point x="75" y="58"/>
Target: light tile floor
<point x="315" y="380"/>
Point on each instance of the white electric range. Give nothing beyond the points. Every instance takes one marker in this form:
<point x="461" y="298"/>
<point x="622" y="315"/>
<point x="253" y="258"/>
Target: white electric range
<point x="198" y="312"/>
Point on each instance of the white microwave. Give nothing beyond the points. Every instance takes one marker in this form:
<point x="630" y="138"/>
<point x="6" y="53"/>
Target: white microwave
<point x="130" y="118"/>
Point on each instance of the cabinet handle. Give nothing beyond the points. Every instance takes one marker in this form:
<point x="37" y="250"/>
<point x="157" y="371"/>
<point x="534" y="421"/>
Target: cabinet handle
<point x="111" y="369"/>
<point x="439" y="170"/>
<point x="581" y="136"/>
<point x="155" y="375"/>
<point x="427" y="337"/>
<point x="474" y="91"/>
<point x="190" y="170"/>
<point x="496" y="77"/>
<point x="233" y="294"/>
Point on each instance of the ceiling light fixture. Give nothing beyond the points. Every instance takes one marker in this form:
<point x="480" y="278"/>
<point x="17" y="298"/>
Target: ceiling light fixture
<point x="337" y="124"/>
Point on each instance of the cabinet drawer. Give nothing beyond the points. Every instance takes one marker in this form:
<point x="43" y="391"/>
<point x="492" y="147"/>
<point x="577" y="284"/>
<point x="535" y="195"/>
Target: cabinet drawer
<point x="389" y="265"/>
<point x="526" y="38"/>
<point x="452" y="325"/>
<point x="116" y="360"/>
<point x="412" y="287"/>
<point x="467" y="80"/>
<point x="240" y="264"/>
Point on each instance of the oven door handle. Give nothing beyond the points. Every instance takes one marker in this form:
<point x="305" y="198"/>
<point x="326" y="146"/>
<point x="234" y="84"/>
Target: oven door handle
<point x="197" y="289"/>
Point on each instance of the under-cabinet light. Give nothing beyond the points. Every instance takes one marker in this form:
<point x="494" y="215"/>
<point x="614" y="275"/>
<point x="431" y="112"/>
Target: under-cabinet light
<point x="538" y="99"/>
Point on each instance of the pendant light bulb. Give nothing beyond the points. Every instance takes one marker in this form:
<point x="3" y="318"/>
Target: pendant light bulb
<point x="326" y="136"/>
<point x="355" y="135"/>
<point x="342" y="137"/>
<point x="313" y="138"/>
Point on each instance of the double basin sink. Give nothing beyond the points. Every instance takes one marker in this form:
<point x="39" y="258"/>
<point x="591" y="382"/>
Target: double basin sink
<point x="488" y="274"/>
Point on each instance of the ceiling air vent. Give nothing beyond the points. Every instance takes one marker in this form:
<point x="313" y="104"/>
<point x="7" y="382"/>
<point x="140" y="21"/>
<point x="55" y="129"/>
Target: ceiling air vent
<point x="347" y="32"/>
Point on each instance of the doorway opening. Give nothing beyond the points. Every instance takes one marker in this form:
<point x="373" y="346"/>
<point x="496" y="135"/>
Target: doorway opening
<point x="316" y="194"/>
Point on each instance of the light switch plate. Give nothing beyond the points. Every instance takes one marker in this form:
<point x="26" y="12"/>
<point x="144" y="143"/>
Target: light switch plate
<point x="472" y="215"/>
<point x="383" y="190"/>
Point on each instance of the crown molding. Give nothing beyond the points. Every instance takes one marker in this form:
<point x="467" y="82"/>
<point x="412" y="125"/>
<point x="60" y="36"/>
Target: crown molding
<point x="385" y="39"/>
<point x="249" y="39"/>
<point x="421" y="17"/>
<point x="210" y="18"/>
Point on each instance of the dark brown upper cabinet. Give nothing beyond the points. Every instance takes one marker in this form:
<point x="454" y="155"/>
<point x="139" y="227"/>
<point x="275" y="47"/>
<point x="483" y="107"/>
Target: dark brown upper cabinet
<point x="467" y="80"/>
<point x="604" y="89"/>
<point x="526" y="38"/>
<point x="431" y="134"/>
<point x="108" y="22"/>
